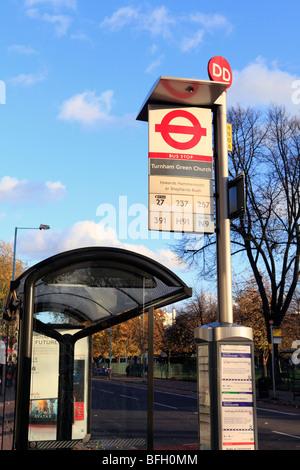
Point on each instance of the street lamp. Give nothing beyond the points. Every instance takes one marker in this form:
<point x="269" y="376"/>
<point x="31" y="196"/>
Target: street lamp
<point x="41" y="227"/>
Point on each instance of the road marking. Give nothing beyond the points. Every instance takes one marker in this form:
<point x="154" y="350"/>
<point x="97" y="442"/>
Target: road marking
<point x="186" y="395"/>
<point x="167" y="406"/>
<point x="279" y="412"/>
<point x="177" y="394"/>
<point x="127" y="396"/>
<point x="288" y="435"/>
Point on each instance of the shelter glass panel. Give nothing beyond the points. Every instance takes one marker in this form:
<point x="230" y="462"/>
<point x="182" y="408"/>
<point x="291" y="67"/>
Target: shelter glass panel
<point x="8" y="374"/>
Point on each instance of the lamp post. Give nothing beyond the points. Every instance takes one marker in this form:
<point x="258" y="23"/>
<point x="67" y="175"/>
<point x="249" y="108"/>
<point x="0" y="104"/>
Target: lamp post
<point x="41" y="227"/>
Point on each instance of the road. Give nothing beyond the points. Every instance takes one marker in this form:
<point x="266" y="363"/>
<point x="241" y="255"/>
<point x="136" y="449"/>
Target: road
<point x="278" y="427"/>
<point x="120" y="411"/>
<point x="119" y="415"/>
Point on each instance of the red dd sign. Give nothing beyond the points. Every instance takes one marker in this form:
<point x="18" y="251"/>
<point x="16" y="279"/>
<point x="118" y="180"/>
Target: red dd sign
<point x="219" y="70"/>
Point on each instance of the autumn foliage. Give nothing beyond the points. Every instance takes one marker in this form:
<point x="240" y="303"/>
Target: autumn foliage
<point x="129" y="338"/>
<point x="6" y="268"/>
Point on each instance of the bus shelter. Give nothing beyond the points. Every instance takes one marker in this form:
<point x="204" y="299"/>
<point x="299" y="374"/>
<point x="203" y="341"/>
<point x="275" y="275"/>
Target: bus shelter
<point x="85" y="291"/>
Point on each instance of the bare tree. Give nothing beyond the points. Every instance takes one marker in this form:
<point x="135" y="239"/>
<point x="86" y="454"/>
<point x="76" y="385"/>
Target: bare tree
<point x="197" y="311"/>
<point x="267" y="149"/>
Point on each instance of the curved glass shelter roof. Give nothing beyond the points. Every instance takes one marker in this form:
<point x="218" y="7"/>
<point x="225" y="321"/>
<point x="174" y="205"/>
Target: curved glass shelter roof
<point x="96" y="286"/>
<point x="83" y="291"/>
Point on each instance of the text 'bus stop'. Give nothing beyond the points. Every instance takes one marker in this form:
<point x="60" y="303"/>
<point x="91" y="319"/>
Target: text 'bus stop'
<point x="86" y="290"/>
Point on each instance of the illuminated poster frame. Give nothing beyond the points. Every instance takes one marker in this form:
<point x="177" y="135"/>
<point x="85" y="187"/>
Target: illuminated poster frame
<point x="44" y="388"/>
<point x="236" y="397"/>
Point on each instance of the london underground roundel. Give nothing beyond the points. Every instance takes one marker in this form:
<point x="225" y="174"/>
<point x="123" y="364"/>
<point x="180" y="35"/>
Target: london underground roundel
<point x="192" y="128"/>
<point x="180" y="132"/>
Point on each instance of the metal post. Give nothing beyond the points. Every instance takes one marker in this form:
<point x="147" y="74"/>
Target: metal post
<point x="41" y="227"/>
<point x="150" y="427"/>
<point x="14" y="258"/>
<point x="110" y="350"/>
<point x="273" y="362"/>
<point x="222" y="215"/>
<point x="24" y="368"/>
<point x="65" y="410"/>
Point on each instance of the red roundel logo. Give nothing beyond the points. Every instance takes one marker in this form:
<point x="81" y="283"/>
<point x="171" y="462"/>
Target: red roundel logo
<point x="193" y="128"/>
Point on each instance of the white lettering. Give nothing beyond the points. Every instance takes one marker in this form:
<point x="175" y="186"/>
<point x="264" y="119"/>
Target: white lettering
<point x="296" y="94"/>
<point x="296" y="354"/>
<point x="163" y="166"/>
<point x="128" y="222"/>
<point x="114" y="460"/>
<point x="2" y="92"/>
<point x="111" y="219"/>
<point x="137" y="227"/>
<point x="181" y="167"/>
<point x="172" y="459"/>
<point x="217" y="71"/>
<point x="226" y="75"/>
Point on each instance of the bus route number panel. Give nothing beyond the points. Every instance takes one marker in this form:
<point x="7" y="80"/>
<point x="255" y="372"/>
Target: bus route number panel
<point x="181" y="204"/>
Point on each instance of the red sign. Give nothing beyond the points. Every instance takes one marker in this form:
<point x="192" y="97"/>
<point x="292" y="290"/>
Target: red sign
<point x="219" y="70"/>
<point x="78" y="411"/>
<point x="195" y="130"/>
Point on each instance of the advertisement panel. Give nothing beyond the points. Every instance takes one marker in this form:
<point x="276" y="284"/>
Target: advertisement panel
<point x="44" y="388"/>
<point x="237" y="407"/>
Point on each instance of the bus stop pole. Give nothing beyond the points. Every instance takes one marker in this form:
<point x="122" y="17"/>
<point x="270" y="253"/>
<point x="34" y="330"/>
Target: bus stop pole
<point x="222" y="214"/>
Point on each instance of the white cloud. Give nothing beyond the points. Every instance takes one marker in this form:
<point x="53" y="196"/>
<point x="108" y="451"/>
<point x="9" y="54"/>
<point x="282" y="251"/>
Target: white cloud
<point x="120" y="18"/>
<point x="56" y="4"/>
<point x="28" y="79"/>
<point x="156" y="63"/>
<point x="157" y="21"/>
<point x="160" y="22"/>
<point x="13" y="190"/>
<point x="80" y="37"/>
<point x="21" y="49"/>
<point x="91" y="110"/>
<point x="189" y="44"/>
<point x="87" y="107"/>
<point x="262" y="84"/>
<point x="41" y="245"/>
<point x="61" y="22"/>
<point x="56" y="190"/>
<point x="212" y="21"/>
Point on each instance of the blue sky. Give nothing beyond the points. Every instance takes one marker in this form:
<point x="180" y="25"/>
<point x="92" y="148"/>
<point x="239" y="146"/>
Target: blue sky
<point x="76" y="73"/>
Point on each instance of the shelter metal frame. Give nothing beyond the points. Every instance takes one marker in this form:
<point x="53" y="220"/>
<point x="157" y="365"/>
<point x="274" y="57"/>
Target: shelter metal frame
<point x="164" y="288"/>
